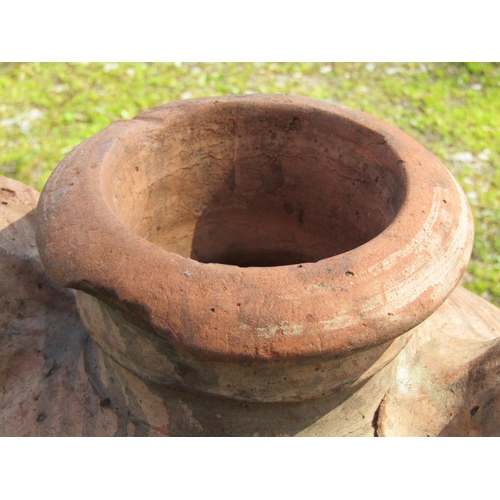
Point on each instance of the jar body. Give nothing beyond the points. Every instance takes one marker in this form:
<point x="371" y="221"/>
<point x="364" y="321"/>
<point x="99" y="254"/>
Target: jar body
<point x="260" y="265"/>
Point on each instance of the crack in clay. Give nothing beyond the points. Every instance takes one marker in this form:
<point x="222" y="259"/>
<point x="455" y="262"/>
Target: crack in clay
<point x="353" y="178"/>
<point x="376" y="416"/>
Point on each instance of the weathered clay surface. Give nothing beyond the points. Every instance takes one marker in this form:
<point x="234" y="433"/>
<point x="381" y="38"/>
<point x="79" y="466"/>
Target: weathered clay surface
<point x="55" y="381"/>
<point x="259" y="265"/>
<point x="44" y="388"/>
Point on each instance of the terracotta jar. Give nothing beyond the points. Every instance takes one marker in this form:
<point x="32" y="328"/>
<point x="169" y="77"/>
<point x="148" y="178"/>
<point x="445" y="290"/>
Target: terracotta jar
<point x="264" y="265"/>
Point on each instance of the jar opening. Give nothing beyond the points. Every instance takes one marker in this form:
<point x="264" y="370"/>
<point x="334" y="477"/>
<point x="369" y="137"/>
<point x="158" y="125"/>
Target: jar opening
<point x="258" y="186"/>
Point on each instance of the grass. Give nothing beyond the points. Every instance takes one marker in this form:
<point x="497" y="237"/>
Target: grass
<point x="46" y="109"/>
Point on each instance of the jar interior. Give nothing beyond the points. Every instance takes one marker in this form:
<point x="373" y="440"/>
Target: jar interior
<point x="255" y="186"/>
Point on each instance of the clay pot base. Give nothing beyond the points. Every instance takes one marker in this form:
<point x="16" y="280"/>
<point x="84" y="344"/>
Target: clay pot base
<point x="56" y="382"/>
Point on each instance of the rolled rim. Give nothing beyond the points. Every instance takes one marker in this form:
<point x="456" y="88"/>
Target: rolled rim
<point x="333" y="307"/>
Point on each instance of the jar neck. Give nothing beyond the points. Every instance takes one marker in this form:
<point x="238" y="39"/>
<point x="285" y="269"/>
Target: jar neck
<point x="146" y="403"/>
<point x="146" y="408"/>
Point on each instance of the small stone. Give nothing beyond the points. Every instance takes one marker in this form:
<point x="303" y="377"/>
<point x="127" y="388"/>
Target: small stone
<point x="484" y="154"/>
<point x="463" y="157"/>
<point x="23" y="119"/>
<point x="110" y="67"/>
<point x="393" y="70"/>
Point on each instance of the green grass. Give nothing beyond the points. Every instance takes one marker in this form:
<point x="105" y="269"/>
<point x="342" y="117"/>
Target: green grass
<point x="47" y="109"/>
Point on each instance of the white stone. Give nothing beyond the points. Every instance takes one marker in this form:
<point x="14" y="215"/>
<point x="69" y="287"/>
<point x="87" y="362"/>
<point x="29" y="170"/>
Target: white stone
<point x="392" y="70"/>
<point x="110" y="67"/>
<point x="463" y="157"/>
<point x="484" y="154"/>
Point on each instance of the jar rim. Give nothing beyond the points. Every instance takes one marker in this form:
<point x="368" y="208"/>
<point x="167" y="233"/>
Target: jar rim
<point x="335" y="306"/>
